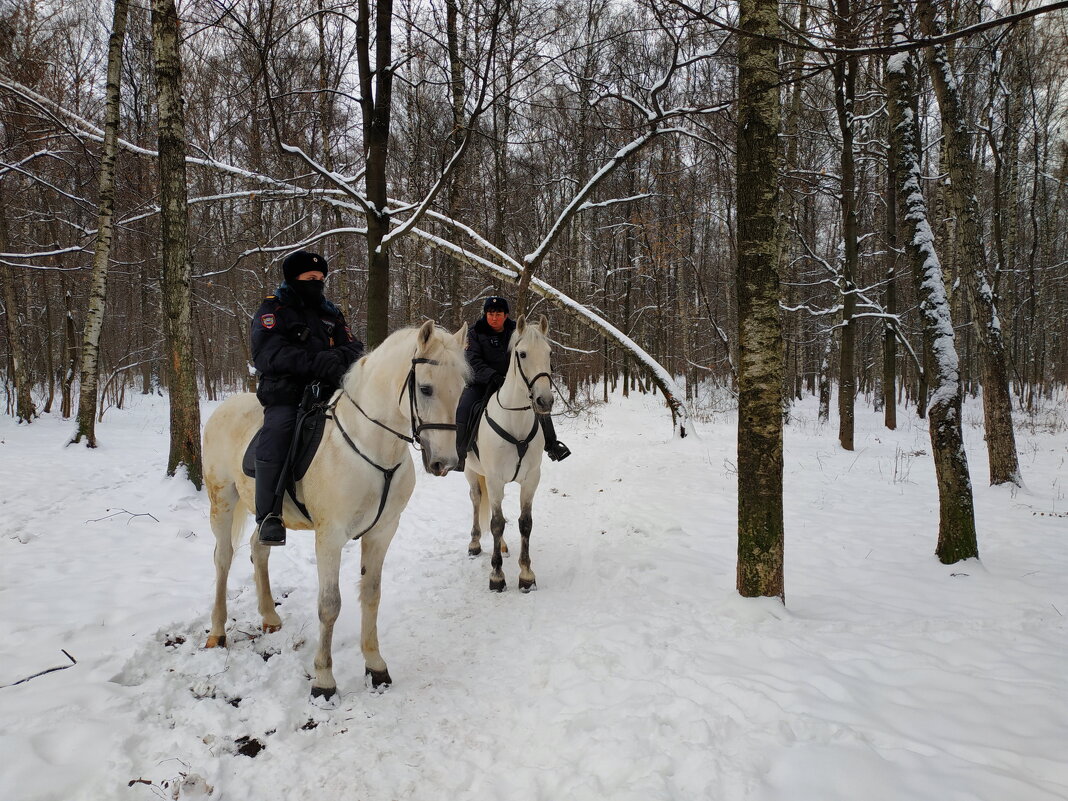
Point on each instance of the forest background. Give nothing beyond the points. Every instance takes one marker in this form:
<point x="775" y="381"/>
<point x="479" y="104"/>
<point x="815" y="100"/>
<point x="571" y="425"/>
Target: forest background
<point x="583" y="159"/>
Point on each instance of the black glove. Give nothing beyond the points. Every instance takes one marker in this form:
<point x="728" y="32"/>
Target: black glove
<point x="330" y="365"/>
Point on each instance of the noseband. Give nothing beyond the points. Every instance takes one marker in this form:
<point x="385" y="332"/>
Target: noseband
<point x="530" y="387"/>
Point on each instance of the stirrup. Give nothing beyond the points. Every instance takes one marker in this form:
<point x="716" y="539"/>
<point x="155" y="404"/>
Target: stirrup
<point x="271" y="531"/>
<point x="558" y="451"/>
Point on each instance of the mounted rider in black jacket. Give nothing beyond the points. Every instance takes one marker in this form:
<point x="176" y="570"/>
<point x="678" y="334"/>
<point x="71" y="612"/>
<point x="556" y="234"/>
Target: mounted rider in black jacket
<point x="487" y="353"/>
<point x="298" y="337"/>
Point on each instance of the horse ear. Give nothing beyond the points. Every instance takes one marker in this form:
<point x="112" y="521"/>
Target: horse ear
<point x="461" y="335"/>
<point x="543" y="324"/>
<point x="521" y="324"/>
<point x="425" y="332"/>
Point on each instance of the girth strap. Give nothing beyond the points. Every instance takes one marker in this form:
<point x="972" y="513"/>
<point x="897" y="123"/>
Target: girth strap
<point x="387" y="473"/>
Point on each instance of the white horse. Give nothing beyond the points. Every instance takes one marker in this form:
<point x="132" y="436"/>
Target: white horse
<point x="508" y="447"/>
<point x="357" y="485"/>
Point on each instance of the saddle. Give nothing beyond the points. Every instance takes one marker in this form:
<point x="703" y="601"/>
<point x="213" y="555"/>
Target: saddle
<point x="307" y="434"/>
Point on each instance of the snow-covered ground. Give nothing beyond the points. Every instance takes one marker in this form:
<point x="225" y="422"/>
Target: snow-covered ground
<point x="634" y="672"/>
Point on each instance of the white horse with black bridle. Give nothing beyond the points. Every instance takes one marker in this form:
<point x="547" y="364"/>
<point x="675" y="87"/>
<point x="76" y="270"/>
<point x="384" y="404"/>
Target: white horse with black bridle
<point x="355" y="488"/>
<point x="508" y="446"/>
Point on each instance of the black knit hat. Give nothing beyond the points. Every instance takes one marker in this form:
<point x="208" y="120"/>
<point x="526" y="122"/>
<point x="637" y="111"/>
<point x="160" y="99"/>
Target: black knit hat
<point x="495" y="304"/>
<point x="300" y="262"/>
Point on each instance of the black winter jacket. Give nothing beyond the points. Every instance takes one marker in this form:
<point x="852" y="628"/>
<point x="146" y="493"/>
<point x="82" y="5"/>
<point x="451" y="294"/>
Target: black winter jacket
<point x="286" y="336"/>
<point x="487" y="351"/>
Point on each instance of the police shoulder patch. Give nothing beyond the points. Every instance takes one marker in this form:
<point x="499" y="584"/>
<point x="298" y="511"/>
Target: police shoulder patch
<point x="267" y="320"/>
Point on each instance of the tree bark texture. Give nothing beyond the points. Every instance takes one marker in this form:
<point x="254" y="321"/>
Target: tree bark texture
<point x="25" y="410"/>
<point x="376" y="87"/>
<point x="956" y="529"/>
<point x="89" y="375"/>
<point x="997" y="401"/>
<point x="760" y="360"/>
<point x="174" y="248"/>
<point x="890" y="329"/>
<point x="845" y="91"/>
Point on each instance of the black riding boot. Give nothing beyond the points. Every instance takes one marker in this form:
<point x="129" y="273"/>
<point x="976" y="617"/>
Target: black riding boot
<point x="556" y="450"/>
<point x="461" y="450"/>
<point x="271" y="529"/>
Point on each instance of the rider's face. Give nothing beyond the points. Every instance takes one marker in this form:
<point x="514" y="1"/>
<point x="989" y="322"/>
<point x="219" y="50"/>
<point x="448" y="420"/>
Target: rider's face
<point x="496" y="320"/>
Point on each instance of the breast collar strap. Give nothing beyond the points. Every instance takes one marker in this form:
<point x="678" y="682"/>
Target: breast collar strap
<point x="417" y="426"/>
<point x="521" y="446"/>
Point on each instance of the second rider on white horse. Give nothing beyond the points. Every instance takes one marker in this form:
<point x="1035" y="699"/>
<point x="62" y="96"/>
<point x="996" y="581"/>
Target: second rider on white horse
<point x="487" y="353"/>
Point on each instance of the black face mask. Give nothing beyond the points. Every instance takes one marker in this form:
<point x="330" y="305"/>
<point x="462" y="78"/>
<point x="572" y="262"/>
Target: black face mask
<point x="309" y="292"/>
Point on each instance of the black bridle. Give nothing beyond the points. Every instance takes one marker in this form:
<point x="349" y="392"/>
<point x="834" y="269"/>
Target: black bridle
<point x="418" y="426"/>
<point x="530" y="388"/>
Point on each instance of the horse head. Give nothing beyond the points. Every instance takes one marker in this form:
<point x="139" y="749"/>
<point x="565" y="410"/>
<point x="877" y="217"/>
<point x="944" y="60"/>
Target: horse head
<point x="532" y="355"/>
<point x="438" y="376"/>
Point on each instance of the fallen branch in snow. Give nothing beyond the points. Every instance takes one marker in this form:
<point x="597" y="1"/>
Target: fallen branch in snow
<point x="124" y="512"/>
<point x="73" y="662"/>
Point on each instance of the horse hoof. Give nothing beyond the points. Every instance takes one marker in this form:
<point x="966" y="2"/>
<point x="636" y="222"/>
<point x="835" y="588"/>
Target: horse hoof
<point x="526" y="585"/>
<point x="323" y="696"/>
<point x="474" y="550"/>
<point x="216" y="641"/>
<point x="497" y="585"/>
<point x="271" y="628"/>
<point x="379" y="679"/>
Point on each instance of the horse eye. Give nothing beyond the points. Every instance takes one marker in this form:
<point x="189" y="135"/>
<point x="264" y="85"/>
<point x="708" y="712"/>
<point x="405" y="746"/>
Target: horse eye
<point x="427" y="391"/>
<point x="522" y="354"/>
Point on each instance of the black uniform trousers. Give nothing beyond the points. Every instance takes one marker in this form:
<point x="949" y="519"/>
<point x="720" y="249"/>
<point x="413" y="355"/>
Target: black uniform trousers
<point x="277" y="434"/>
<point x="472" y="394"/>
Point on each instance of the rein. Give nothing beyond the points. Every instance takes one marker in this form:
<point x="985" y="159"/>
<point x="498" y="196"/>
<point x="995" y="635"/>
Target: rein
<point x="418" y="426"/>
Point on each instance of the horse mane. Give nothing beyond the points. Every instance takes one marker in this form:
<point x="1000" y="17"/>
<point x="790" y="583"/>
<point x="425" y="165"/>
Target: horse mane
<point x="400" y="346"/>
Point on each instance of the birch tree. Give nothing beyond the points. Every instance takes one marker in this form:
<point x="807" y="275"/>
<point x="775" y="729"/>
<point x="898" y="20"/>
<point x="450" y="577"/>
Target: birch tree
<point x="956" y="529"/>
<point x="94" y="317"/>
<point x="760" y="348"/>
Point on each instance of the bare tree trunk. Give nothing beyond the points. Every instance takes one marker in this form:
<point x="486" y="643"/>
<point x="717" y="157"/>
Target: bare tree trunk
<point x="760" y="359"/>
<point x="70" y="342"/>
<point x="327" y="103"/>
<point x="997" y="402"/>
<point x="845" y="90"/>
<point x="25" y="410"/>
<point x="956" y="530"/>
<point x="89" y="375"/>
<point x="824" y="413"/>
<point x="376" y="96"/>
<point x="890" y="326"/>
<point x="174" y="256"/>
<point x="456" y="87"/>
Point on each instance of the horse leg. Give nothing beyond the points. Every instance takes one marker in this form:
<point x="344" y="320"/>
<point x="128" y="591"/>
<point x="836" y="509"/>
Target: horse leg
<point x="372" y="555"/>
<point x="527" y="582"/>
<point x="328" y="561"/>
<point x="270" y="621"/>
<point x="475" y="481"/>
<point x="496" y="498"/>
<point x="224" y="504"/>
